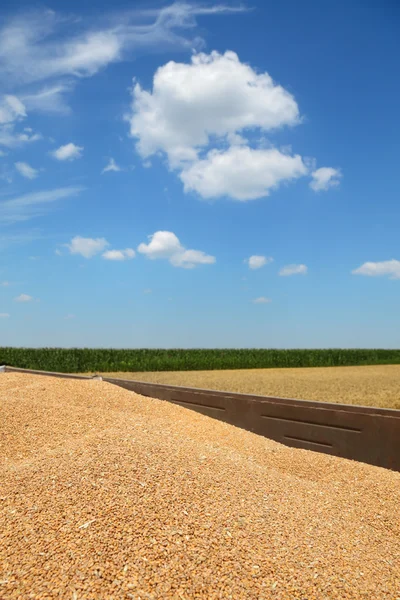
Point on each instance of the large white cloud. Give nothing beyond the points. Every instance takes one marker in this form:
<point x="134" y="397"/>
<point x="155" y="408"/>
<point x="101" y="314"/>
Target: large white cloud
<point x="208" y="118"/>
<point x="166" y="245"/>
<point x="214" y="95"/>
<point x="241" y="172"/>
<point x="390" y="268"/>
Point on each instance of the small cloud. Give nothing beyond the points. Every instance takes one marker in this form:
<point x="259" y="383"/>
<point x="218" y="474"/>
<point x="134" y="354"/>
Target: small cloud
<point x="23" y="298"/>
<point x="293" y="270"/>
<point x="112" y="166"/>
<point x="58" y="252"/>
<point x="390" y="268"/>
<point x="68" y="152"/>
<point x="256" y="261"/>
<point x="126" y="254"/>
<point x="325" y="178"/>
<point x="68" y="317"/>
<point x="5" y="283"/>
<point x="26" y="170"/>
<point x="87" y="247"/>
<point x="166" y="245"/>
<point x="262" y="300"/>
<point x="4" y="315"/>
<point x="147" y="291"/>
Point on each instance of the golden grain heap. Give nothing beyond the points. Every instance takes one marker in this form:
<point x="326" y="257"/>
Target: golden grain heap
<point x="105" y="494"/>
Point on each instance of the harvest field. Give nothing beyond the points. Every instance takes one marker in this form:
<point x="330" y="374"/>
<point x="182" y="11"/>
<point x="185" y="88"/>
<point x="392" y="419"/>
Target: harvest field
<point x="367" y="386"/>
<point x="105" y="494"/>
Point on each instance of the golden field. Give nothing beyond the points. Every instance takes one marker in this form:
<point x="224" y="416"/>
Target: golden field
<point x="367" y="386"/>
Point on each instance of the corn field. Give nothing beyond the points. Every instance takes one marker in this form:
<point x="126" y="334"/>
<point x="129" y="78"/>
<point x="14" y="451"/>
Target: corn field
<point x="86" y="360"/>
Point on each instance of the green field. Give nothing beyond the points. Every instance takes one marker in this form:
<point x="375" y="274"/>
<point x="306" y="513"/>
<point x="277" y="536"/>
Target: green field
<point x="84" y="360"/>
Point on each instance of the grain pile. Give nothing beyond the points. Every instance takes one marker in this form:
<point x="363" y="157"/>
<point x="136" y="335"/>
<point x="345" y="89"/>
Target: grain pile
<point x="376" y="385"/>
<point x="108" y="495"/>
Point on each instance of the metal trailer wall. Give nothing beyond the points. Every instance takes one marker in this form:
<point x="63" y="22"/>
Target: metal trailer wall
<point x="370" y="435"/>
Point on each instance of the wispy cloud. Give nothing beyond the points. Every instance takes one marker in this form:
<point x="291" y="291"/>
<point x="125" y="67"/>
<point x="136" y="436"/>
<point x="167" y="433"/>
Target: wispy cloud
<point x="293" y="270"/>
<point x="41" y="45"/>
<point x="111" y="166"/>
<point x="28" y="206"/>
<point x="23" y="298"/>
<point x="19" y="238"/>
<point x="262" y="300"/>
<point x="26" y="170"/>
<point x="49" y="99"/>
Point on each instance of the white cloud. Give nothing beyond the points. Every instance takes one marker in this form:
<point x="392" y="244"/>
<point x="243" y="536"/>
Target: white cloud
<point x="11" y="109"/>
<point x="49" y="99"/>
<point x="42" y="45"/>
<point x="391" y="268"/>
<point x="262" y="300"/>
<point x="23" y="298"/>
<point x="241" y="173"/>
<point x="4" y="315"/>
<point x="87" y="247"/>
<point x="5" y="283"/>
<point x="188" y="259"/>
<point x="11" y="139"/>
<point x="165" y="244"/>
<point x="215" y="95"/>
<point x="28" y="206"/>
<point x="256" y="261"/>
<point x="26" y="170"/>
<point x="69" y="316"/>
<point x="68" y="152"/>
<point x="293" y="270"/>
<point x="210" y="117"/>
<point x="119" y="254"/>
<point x="111" y="166"/>
<point x="325" y="178"/>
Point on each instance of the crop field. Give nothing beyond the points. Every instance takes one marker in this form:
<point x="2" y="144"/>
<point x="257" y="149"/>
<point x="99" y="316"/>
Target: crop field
<point x="368" y="386"/>
<point x="81" y="360"/>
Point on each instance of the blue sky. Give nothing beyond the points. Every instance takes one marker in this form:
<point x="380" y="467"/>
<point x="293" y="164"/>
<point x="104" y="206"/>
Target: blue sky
<point x="200" y="174"/>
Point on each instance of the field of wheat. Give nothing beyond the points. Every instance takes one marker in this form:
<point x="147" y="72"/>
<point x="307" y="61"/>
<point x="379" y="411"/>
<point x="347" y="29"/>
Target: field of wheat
<point x="367" y="386"/>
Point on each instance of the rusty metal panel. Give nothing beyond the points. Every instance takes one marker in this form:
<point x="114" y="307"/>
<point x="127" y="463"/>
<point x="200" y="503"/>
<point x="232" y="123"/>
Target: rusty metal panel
<point x="365" y="434"/>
